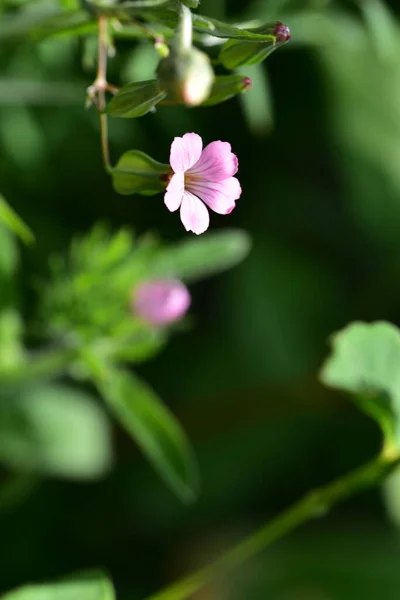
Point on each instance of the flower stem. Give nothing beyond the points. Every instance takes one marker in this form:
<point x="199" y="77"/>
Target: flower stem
<point x="315" y="504"/>
<point x="101" y="81"/>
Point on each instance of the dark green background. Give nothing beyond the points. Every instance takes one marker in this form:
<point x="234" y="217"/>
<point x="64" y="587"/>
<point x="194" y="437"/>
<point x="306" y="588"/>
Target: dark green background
<point x="319" y="161"/>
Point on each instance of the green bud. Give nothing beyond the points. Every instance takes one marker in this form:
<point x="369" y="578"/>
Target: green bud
<point x="227" y="86"/>
<point x="186" y="77"/>
<point x="136" y="172"/>
<point x="236" y="53"/>
<point x="186" y="74"/>
<point x="135" y="99"/>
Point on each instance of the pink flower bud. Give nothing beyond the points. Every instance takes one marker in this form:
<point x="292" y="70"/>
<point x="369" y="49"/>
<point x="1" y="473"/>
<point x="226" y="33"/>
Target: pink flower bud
<point x="161" y="302"/>
<point x="282" y="32"/>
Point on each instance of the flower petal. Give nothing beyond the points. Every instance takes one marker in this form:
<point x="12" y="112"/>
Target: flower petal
<point x="185" y="152"/>
<point x="216" y="162"/>
<point x="194" y="214"/>
<point x="174" y="192"/>
<point x="220" y="196"/>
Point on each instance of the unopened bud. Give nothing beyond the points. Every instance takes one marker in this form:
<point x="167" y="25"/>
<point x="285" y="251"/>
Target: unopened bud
<point x="225" y="87"/>
<point x="186" y="76"/>
<point x="161" y="302"/>
<point x="281" y="32"/>
<point x="161" y="47"/>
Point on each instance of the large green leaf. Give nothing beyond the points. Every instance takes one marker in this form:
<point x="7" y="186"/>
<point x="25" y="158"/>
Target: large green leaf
<point x="136" y="99"/>
<point x="203" y="256"/>
<point x="365" y="361"/>
<point x="11" y="220"/>
<point x="136" y="172"/>
<point x="153" y="426"/>
<point x="90" y="586"/>
<point x="54" y="430"/>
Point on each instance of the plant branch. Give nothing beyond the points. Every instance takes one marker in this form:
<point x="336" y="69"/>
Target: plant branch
<point x="97" y="91"/>
<point x="315" y="504"/>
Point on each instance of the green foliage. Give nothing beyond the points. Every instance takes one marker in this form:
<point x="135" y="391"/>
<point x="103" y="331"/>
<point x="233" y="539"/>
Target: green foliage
<point x="212" y="253"/>
<point x="153" y="427"/>
<point x="136" y="99"/>
<point x="54" y="430"/>
<point x="89" y="297"/>
<point x="365" y="362"/>
<point x="88" y="586"/>
<point x="236" y="53"/>
<point x="10" y="219"/>
<point x="225" y="87"/>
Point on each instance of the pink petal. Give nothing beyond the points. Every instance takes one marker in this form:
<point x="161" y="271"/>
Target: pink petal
<point x="161" y="302"/>
<point x="220" y="196"/>
<point x="174" y="192"/>
<point x="185" y="152"/>
<point x="194" y="214"/>
<point x="216" y="162"/>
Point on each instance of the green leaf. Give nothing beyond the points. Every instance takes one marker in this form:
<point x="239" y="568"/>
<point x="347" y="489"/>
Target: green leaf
<point x="365" y="361"/>
<point x="136" y="172"/>
<point x="135" y="99"/>
<point x="89" y="586"/>
<point x="225" y="87"/>
<point x="11" y="220"/>
<point x="55" y="430"/>
<point x="154" y="428"/>
<point x="197" y="258"/>
<point x="235" y="53"/>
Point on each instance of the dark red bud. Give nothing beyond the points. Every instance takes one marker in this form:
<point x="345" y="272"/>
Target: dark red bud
<point x="246" y="83"/>
<point x="281" y="32"/>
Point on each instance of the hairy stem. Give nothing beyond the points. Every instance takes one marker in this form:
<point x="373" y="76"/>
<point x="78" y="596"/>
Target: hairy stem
<point x="101" y="84"/>
<point x="314" y="504"/>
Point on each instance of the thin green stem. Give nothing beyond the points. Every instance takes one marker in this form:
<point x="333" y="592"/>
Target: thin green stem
<point x="314" y="504"/>
<point x="101" y="86"/>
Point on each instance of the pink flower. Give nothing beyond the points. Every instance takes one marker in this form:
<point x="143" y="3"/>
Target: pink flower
<point x="201" y="178"/>
<point x="161" y="302"/>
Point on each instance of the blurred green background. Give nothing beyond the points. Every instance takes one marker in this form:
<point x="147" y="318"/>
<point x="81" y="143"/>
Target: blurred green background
<point x="318" y="140"/>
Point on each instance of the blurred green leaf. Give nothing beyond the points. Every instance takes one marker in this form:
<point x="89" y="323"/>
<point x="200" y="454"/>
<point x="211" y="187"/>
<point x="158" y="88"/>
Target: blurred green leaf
<point x="11" y="348"/>
<point x="8" y="252"/>
<point x="136" y="172"/>
<point x="209" y="254"/>
<point x="135" y="99"/>
<point x="54" y="430"/>
<point x="154" y="428"/>
<point x="95" y="586"/>
<point x="365" y="361"/>
<point x="11" y="220"/>
<point x="257" y="103"/>
<point x="191" y="3"/>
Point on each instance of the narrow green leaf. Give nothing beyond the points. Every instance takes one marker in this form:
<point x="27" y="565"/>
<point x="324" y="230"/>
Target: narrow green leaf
<point x="136" y="172"/>
<point x="55" y="430"/>
<point x="88" y="586"/>
<point x="235" y="53"/>
<point x="225" y="87"/>
<point x="154" y="428"/>
<point x="365" y="361"/>
<point x="197" y="258"/>
<point x="11" y="220"/>
<point x="135" y="99"/>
